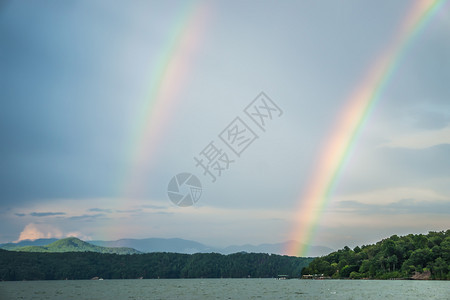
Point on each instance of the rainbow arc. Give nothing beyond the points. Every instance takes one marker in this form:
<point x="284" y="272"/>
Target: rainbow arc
<point x="351" y="122"/>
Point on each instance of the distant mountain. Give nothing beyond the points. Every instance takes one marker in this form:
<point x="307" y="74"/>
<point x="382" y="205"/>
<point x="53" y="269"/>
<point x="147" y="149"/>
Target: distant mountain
<point x="189" y="247"/>
<point x="159" y="245"/>
<point x="38" y="242"/>
<point x="73" y="244"/>
<point x="174" y="245"/>
<point x="279" y="248"/>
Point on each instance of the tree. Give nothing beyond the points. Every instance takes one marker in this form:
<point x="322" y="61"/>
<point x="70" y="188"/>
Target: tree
<point x="420" y="257"/>
<point x="392" y="262"/>
<point x="389" y="247"/>
<point x="365" y="266"/>
<point x="85" y="265"/>
<point x="347" y="270"/>
<point x="391" y="258"/>
<point x="440" y="268"/>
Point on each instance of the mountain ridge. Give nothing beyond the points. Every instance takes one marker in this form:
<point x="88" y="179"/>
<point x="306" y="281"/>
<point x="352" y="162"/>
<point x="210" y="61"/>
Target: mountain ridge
<point x="73" y="244"/>
<point x="23" y="243"/>
<point x="178" y="245"/>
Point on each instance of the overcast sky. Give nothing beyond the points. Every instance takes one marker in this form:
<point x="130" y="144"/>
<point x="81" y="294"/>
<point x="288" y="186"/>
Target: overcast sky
<point x="77" y="76"/>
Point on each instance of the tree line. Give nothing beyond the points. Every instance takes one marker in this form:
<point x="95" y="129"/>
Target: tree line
<point x="86" y="265"/>
<point x="394" y="257"/>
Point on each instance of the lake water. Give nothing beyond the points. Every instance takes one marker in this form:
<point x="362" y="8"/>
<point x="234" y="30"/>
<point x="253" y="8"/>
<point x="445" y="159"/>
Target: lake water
<point x="225" y="289"/>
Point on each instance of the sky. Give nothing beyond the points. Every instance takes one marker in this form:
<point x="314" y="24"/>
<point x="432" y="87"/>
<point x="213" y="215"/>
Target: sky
<point x="104" y="102"/>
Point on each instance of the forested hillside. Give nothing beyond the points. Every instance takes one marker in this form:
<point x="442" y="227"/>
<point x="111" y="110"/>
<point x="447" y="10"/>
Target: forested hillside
<point x="73" y="244"/>
<point x="86" y="265"/>
<point x="395" y="257"/>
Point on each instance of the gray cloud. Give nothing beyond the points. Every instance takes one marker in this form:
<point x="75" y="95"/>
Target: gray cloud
<point x="425" y="163"/>
<point x="154" y="206"/>
<point x="380" y="168"/>
<point x="100" y="210"/>
<point x="163" y="213"/>
<point x="129" y="210"/>
<point x="401" y="207"/>
<point x="46" y="214"/>
<point x="426" y="119"/>
<point x="87" y="217"/>
<point x="20" y="214"/>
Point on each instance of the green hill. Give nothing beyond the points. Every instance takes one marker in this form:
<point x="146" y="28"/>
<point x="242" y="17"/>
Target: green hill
<point x="73" y="244"/>
<point x="413" y="256"/>
<point x="38" y="242"/>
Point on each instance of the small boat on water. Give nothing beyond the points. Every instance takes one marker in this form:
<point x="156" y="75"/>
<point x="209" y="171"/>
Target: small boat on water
<point x="96" y="278"/>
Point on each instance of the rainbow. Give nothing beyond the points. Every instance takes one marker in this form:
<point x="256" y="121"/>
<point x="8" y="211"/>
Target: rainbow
<point x="350" y="123"/>
<point x="167" y="79"/>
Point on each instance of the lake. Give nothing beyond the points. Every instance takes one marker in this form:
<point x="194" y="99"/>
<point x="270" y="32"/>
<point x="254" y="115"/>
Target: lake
<point x="225" y="289"/>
